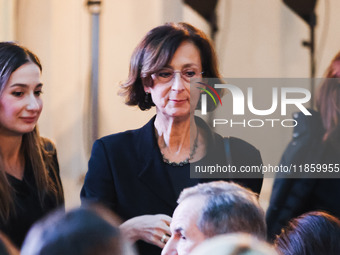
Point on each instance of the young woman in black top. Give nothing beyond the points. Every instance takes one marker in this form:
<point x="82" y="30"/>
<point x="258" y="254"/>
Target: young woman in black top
<point x="30" y="185"/>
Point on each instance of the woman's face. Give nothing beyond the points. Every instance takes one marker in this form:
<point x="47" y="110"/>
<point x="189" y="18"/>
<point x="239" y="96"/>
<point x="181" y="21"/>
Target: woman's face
<point x="171" y="85"/>
<point x="20" y="101"/>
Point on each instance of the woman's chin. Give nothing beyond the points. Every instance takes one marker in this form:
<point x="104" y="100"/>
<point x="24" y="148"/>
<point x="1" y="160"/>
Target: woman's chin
<point x="179" y="114"/>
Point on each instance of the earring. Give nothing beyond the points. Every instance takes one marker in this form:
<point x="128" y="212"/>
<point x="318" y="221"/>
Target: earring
<point x="147" y="97"/>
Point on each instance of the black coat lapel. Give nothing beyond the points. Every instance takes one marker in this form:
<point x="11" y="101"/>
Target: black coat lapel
<point x="152" y="173"/>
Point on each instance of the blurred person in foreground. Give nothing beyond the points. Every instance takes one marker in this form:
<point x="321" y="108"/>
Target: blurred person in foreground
<point x="88" y="230"/>
<point x="312" y="233"/>
<point x="234" y="244"/>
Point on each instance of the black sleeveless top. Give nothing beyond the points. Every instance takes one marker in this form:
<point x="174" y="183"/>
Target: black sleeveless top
<point x="28" y="208"/>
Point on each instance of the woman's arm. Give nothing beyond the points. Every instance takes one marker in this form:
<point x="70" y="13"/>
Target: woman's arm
<point x="99" y="187"/>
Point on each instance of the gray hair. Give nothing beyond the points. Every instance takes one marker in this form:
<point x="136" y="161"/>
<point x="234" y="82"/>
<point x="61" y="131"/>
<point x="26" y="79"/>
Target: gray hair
<point x="228" y="208"/>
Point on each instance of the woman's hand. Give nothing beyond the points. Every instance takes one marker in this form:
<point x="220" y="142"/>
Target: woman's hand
<point x="149" y="228"/>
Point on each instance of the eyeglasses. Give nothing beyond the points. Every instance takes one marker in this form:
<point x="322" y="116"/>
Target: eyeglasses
<point x="165" y="75"/>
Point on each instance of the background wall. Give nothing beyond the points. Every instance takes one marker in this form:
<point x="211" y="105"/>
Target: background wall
<point x="7" y="20"/>
<point x="255" y="39"/>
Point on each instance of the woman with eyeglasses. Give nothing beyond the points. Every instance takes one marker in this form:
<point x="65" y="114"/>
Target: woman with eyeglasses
<point x="140" y="173"/>
<point x="30" y="184"/>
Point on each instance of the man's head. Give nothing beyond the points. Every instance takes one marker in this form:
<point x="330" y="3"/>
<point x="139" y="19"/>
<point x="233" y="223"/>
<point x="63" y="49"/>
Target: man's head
<point x="210" y="209"/>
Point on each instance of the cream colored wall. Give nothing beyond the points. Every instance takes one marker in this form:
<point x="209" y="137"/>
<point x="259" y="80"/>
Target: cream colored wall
<point x="58" y="31"/>
<point x="7" y="20"/>
<point x="256" y="39"/>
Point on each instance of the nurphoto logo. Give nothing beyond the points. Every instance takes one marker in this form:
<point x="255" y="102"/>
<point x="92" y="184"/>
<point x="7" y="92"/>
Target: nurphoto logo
<point x="253" y="103"/>
<point x="239" y="98"/>
<point x="204" y="97"/>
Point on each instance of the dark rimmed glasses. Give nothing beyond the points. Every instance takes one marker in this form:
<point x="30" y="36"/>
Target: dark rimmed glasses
<point x="165" y="75"/>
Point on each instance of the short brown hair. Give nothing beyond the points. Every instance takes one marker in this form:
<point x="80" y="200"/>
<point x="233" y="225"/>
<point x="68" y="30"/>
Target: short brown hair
<point x="156" y="50"/>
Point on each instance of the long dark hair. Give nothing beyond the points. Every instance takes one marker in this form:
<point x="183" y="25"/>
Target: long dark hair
<point x="12" y="56"/>
<point x="156" y="50"/>
<point x="311" y="233"/>
<point x="328" y="103"/>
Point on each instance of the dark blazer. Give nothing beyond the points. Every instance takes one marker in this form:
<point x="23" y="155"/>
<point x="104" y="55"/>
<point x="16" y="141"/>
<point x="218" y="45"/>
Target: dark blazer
<point x="126" y="173"/>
